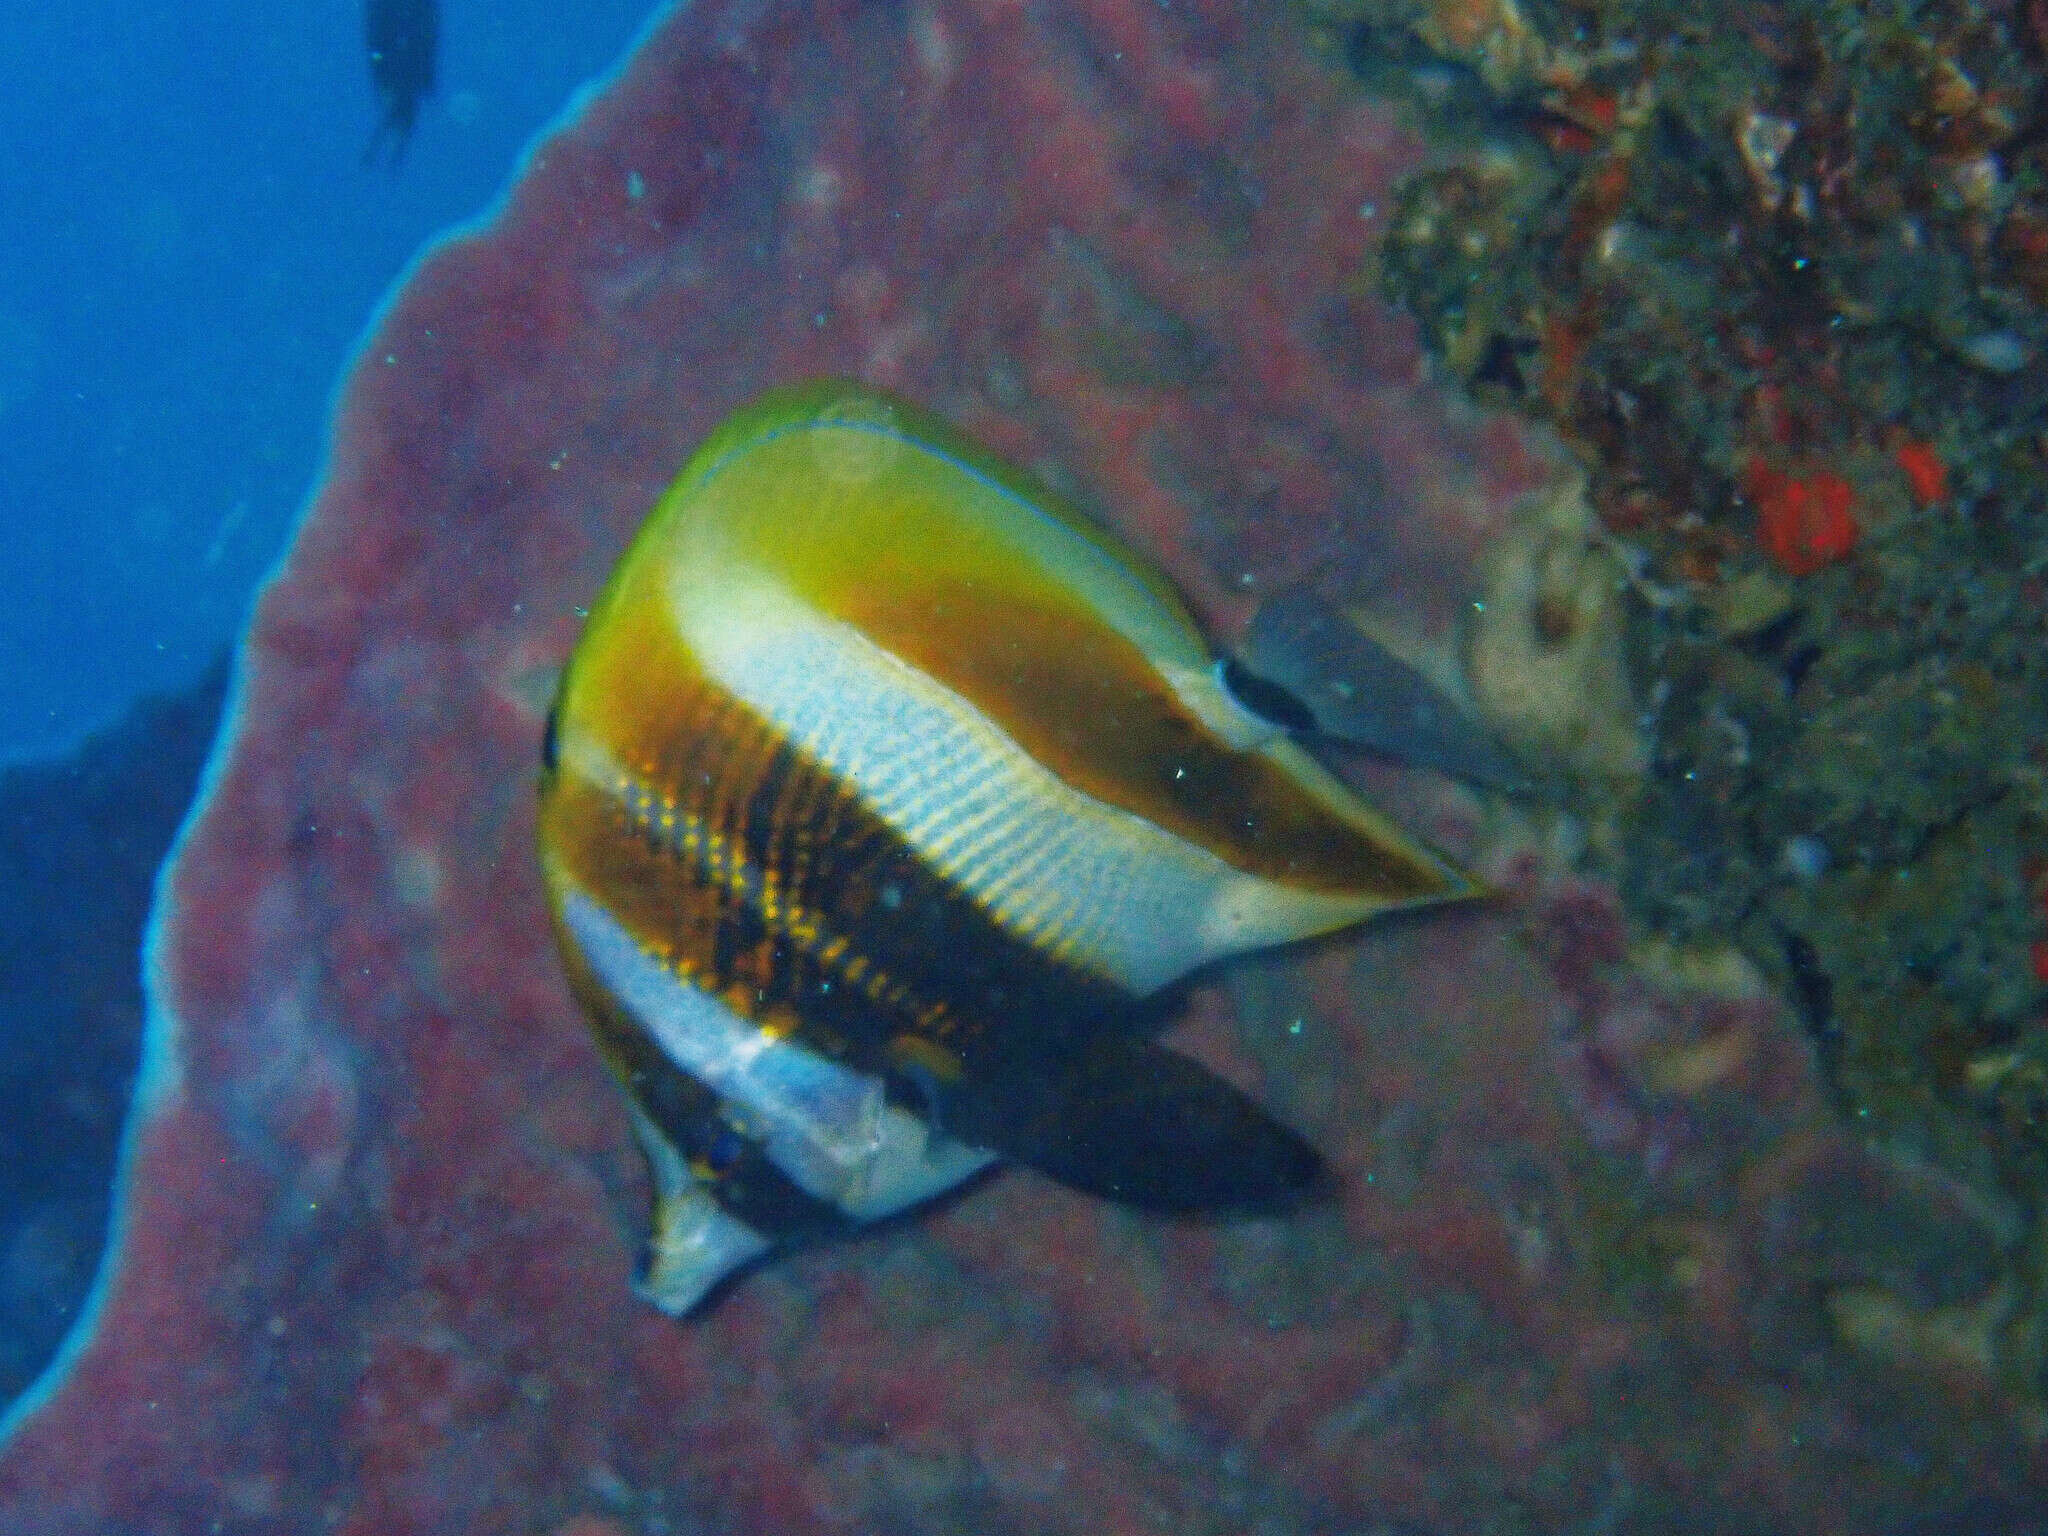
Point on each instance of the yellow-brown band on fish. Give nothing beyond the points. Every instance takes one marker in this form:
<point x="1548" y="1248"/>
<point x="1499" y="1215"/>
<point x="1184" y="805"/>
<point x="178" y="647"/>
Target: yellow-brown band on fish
<point x="883" y="786"/>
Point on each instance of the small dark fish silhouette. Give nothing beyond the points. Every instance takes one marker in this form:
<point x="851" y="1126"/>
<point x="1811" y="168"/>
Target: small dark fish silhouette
<point x="403" y="37"/>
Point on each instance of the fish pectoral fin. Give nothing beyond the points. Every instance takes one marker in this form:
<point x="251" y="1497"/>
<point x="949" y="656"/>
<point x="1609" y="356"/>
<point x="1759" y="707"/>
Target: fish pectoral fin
<point x="1135" y="1122"/>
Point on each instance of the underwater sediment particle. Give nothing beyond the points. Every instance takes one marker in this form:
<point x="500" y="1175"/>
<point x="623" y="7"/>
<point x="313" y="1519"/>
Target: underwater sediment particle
<point x="1545" y="660"/>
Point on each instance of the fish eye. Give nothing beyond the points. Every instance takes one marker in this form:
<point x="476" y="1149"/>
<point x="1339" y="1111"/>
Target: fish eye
<point x="550" y="744"/>
<point x="1264" y="698"/>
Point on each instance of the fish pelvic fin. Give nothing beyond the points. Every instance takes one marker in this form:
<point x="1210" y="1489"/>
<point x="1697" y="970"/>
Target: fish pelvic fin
<point x="1133" y="1121"/>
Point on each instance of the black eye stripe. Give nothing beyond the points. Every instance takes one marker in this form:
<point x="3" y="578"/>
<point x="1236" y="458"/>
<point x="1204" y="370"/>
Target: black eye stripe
<point x="1267" y="700"/>
<point x="549" y="744"/>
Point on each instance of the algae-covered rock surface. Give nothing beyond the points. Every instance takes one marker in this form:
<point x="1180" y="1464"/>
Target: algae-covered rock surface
<point x="1777" y="276"/>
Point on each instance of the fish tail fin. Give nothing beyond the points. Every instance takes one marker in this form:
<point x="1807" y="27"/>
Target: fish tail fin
<point x="388" y="140"/>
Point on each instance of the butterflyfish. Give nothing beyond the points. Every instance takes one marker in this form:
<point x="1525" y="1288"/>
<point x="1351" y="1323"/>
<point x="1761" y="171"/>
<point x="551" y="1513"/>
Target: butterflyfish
<point x="882" y="795"/>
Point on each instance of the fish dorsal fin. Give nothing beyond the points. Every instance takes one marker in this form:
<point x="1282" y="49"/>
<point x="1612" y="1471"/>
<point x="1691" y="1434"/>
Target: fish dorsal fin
<point x="888" y="485"/>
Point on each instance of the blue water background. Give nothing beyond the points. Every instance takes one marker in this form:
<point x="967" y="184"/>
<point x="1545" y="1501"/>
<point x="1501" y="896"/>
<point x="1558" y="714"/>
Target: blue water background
<point x="194" y="244"/>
